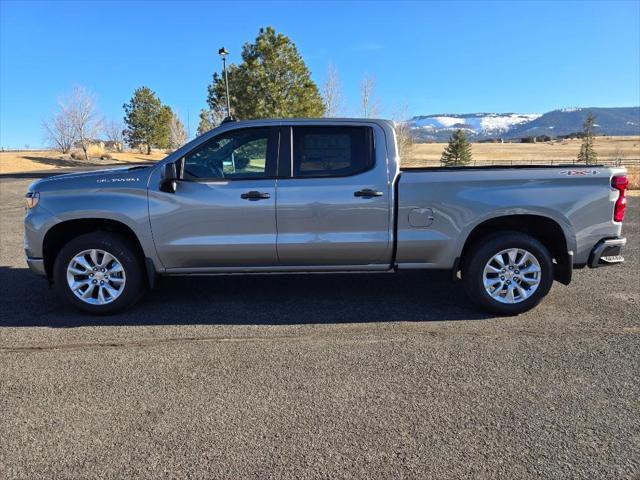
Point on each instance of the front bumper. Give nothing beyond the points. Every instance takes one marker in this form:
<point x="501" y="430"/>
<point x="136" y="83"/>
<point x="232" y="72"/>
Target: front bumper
<point x="36" y="265"/>
<point x="607" y="252"/>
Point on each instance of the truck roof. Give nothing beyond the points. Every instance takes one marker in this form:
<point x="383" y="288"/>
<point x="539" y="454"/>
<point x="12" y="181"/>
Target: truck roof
<point x="310" y="120"/>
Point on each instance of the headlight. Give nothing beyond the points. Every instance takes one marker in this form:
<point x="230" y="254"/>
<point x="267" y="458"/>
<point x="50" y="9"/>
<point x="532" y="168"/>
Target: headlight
<point x="32" y="199"/>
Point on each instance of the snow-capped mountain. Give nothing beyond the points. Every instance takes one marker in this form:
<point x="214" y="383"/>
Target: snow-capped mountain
<point x="479" y="126"/>
<point x="475" y="123"/>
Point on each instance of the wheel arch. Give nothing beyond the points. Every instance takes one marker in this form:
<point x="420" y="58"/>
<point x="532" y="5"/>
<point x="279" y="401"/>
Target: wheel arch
<point x="545" y="229"/>
<point x="61" y="233"/>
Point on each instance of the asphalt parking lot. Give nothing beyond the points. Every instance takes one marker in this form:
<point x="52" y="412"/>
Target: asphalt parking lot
<point x="318" y="376"/>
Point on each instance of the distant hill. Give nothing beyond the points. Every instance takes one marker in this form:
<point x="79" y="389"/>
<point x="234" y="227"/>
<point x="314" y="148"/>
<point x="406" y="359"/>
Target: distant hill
<point x="482" y="126"/>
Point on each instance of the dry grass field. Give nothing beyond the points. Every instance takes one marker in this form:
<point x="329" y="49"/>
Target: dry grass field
<point x="609" y="149"/>
<point x="625" y="150"/>
<point x="558" y="151"/>
<point x="30" y="160"/>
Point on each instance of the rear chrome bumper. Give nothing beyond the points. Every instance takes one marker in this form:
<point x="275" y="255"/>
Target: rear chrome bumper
<point x="607" y="252"/>
<point x="36" y="265"/>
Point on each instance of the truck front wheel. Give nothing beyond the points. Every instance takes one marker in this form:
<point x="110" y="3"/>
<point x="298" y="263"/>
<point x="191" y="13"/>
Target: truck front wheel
<point x="507" y="273"/>
<point x="99" y="273"/>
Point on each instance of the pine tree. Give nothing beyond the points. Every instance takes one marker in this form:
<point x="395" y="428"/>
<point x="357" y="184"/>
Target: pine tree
<point x="587" y="153"/>
<point x="148" y="121"/>
<point x="163" y="128"/>
<point x="457" y="152"/>
<point x="272" y="81"/>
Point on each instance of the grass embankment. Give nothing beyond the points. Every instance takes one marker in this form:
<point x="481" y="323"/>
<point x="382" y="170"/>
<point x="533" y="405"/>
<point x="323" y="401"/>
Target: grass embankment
<point x="30" y="160"/>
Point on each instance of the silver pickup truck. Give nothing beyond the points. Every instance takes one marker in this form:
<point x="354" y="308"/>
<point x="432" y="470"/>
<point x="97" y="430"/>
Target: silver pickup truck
<point x="320" y="195"/>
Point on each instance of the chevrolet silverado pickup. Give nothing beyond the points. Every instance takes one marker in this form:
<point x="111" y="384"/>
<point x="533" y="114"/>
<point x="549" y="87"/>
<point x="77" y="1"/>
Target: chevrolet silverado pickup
<point x="320" y="195"/>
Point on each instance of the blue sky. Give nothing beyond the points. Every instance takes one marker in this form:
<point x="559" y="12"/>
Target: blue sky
<point x="449" y="57"/>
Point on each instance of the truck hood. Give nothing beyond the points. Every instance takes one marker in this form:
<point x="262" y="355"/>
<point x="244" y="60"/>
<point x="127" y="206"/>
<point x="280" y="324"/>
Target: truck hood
<point x="135" y="176"/>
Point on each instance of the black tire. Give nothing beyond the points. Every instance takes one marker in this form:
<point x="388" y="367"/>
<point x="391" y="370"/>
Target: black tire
<point x="485" y="249"/>
<point x="126" y="254"/>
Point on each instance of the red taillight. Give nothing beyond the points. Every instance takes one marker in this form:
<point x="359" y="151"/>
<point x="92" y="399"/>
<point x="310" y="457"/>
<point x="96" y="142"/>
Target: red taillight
<point x="620" y="183"/>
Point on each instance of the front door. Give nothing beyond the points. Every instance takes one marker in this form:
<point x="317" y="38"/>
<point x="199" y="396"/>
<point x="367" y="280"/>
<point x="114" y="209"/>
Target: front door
<point x="334" y="202"/>
<point x="223" y="211"/>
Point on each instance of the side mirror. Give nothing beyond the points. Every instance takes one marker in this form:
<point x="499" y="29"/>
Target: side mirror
<point x="169" y="182"/>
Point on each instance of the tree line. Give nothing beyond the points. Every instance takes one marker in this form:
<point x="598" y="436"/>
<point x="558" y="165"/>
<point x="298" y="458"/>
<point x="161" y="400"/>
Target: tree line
<point x="147" y="123"/>
<point x="272" y="81"/>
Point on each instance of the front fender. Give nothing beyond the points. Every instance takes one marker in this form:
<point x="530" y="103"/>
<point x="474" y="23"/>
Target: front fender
<point x="124" y="205"/>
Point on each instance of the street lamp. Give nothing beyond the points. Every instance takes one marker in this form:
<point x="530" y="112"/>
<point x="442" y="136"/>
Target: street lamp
<point x="223" y="52"/>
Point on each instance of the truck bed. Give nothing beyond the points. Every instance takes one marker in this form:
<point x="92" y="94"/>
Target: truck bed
<point x="500" y="167"/>
<point x="438" y="207"/>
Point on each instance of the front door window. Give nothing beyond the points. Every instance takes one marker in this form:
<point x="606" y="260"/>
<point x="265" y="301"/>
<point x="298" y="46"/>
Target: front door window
<point x="239" y="154"/>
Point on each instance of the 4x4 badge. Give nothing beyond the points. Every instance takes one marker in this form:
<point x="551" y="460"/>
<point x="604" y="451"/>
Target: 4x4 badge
<point x="579" y="173"/>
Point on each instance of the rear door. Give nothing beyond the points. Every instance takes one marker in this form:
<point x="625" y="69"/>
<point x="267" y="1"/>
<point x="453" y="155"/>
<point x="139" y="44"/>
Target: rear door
<point x="334" y="202"/>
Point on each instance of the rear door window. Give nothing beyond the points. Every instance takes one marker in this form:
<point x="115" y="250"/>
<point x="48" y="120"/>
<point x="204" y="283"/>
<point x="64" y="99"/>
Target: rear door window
<point x="332" y="151"/>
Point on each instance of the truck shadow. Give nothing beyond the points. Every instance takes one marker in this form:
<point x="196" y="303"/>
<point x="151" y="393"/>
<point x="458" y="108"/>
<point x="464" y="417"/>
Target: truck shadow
<point x="27" y="301"/>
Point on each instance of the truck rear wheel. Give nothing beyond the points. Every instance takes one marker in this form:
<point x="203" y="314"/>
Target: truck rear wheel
<point x="508" y="273"/>
<point x="99" y="273"/>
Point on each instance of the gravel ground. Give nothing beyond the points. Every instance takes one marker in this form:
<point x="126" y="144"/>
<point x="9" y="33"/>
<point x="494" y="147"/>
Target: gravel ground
<point x="318" y="376"/>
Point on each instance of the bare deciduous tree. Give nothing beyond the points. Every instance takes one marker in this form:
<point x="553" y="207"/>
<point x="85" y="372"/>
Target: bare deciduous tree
<point x="59" y="132"/>
<point x="177" y="134"/>
<point x="80" y="106"/>
<point x="209" y="119"/>
<point x="332" y="93"/>
<point x="404" y="136"/>
<point x="114" y="131"/>
<point x="76" y="122"/>
<point x="618" y="157"/>
<point x="369" y="104"/>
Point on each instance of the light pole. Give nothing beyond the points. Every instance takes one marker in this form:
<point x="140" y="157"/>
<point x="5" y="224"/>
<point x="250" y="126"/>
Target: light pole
<point x="223" y="52"/>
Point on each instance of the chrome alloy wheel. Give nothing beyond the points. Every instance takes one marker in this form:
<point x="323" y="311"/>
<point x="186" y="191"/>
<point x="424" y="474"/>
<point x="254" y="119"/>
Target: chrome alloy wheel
<point x="96" y="277"/>
<point x="512" y="275"/>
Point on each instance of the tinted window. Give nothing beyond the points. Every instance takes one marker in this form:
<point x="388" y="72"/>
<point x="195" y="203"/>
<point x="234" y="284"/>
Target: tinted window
<point x="234" y="155"/>
<point x="331" y="151"/>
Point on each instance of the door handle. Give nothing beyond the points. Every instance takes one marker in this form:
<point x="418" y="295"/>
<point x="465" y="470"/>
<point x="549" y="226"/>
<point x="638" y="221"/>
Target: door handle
<point x="255" y="195"/>
<point x="367" y="193"/>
